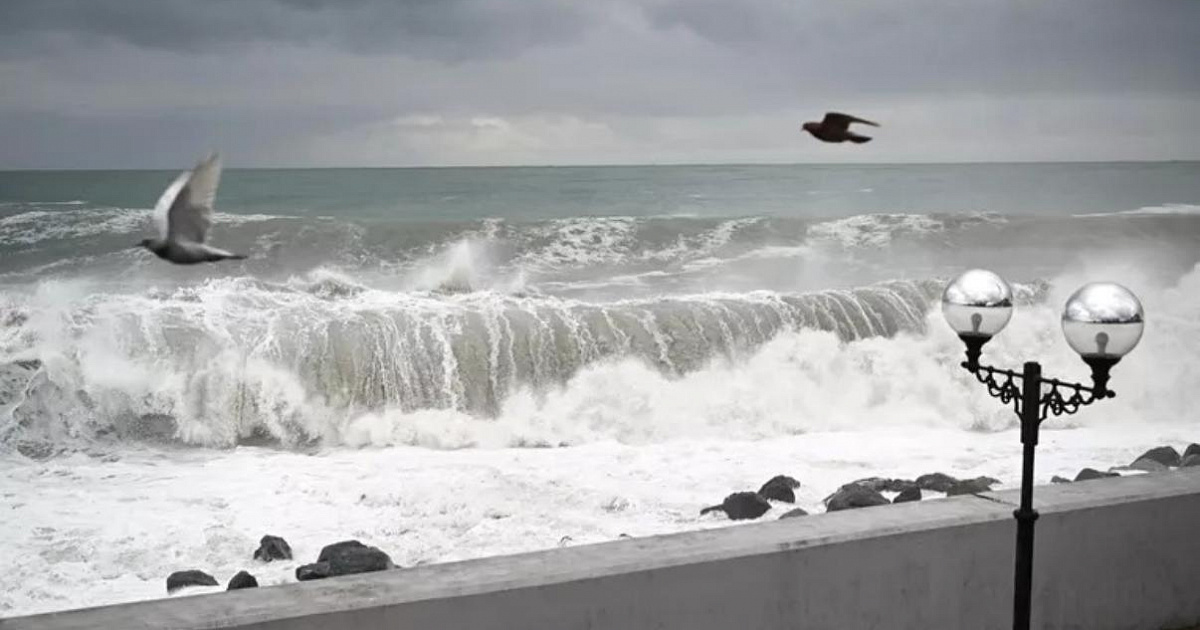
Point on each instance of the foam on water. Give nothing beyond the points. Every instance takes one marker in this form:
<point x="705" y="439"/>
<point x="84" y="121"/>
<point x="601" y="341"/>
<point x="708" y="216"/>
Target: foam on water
<point x="304" y="360"/>
<point x="35" y="226"/>
<point x="1167" y="209"/>
<point x="85" y="531"/>
<point x="445" y="385"/>
<point x="878" y="230"/>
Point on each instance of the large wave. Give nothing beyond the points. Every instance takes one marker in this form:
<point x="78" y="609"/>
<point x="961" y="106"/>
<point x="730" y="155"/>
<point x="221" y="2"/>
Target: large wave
<point x="491" y="332"/>
<point x="326" y="361"/>
<point x="231" y="358"/>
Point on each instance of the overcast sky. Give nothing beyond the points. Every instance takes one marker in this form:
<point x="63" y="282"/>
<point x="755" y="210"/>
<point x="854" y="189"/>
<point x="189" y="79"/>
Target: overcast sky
<point x="155" y="83"/>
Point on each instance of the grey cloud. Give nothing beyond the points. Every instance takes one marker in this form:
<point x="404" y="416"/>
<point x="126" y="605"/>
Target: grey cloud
<point x="171" y="137"/>
<point x="946" y="44"/>
<point x="452" y="30"/>
<point x="146" y="82"/>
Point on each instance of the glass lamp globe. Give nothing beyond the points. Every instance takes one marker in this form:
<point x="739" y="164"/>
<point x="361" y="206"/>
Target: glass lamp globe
<point x="1103" y="320"/>
<point x="977" y="304"/>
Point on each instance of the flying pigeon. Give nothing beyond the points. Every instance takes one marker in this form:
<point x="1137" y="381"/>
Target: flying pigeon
<point x="836" y="128"/>
<point x="183" y="216"/>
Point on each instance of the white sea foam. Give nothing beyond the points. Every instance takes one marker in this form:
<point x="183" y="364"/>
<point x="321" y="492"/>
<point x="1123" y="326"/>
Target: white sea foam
<point x="37" y="226"/>
<point x="593" y="241"/>
<point x="1167" y="209"/>
<point x="85" y="531"/>
<point x="878" y="230"/>
<point x="438" y="484"/>
<point x="110" y="527"/>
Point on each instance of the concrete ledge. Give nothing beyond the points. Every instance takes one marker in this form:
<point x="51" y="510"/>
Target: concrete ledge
<point x="1112" y="553"/>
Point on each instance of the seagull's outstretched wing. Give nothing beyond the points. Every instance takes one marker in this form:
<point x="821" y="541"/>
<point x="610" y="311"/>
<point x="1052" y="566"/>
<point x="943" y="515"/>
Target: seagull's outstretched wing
<point x="189" y="211"/>
<point x="163" y="207"/>
<point x="842" y="121"/>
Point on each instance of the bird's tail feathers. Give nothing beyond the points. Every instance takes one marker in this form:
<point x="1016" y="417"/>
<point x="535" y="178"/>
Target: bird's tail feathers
<point x="856" y="139"/>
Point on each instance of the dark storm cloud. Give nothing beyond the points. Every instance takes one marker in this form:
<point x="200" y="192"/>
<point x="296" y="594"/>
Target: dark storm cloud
<point x="151" y="82"/>
<point x="441" y="29"/>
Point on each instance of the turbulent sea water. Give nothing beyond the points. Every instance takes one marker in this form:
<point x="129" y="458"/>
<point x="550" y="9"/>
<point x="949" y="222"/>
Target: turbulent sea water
<point x="450" y="363"/>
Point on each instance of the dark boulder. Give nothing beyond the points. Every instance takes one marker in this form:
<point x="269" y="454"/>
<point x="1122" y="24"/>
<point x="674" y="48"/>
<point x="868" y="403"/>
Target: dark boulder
<point x="184" y="579"/>
<point x="272" y="548"/>
<point x="1190" y="460"/>
<point x="741" y="506"/>
<point x="1147" y="464"/>
<point x="883" y="484"/>
<point x="912" y="493"/>
<point x="315" y="571"/>
<point x="1192" y="449"/>
<point x="780" y="488"/>
<point x="350" y="556"/>
<point x="242" y="580"/>
<point x="329" y="551"/>
<point x="793" y="513"/>
<point x="1092" y="473"/>
<point x="971" y="486"/>
<point x="854" y="497"/>
<point x="1165" y="455"/>
<point x="937" y="482"/>
<point x="1057" y="479"/>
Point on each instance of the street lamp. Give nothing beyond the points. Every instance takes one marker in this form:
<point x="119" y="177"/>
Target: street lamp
<point x="1102" y="321"/>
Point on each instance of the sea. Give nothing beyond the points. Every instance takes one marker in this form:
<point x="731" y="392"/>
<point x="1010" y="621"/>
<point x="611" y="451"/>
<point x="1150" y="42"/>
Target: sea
<point x="451" y="363"/>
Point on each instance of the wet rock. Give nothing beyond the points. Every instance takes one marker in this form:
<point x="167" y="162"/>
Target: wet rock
<point x="741" y="506"/>
<point x="780" y="488"/>
<point x="242" y="580"/>
<point x="883" y="484"/>
<point x="854" y="497"/>
<point x="793" y="513"/>
<point x="184" y="579"/>
<point x="1192" y="449"/>
<point x="1147" y="464"/>
<point x="350" y="556"/>
<point x="1092" y="473"/>
<point x="315" y="571"/>
<point x="272" y="548"/>
<point x="329" y="551"/>
<point x="937" y="482"/>
<point x="911" y="493"/>
<point x="971" y="486"/>
<point x="1190" y="460"/>
<point x="1057" y="479"/>
<point x="1165" y="455"/>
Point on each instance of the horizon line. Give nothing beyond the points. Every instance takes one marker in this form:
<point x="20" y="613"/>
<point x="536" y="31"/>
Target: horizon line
<point x="608" y="165"/>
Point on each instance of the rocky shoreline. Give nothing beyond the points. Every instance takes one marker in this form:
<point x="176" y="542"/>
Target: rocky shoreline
<point x="350" y="557"/>
<point x="874" y="491"/>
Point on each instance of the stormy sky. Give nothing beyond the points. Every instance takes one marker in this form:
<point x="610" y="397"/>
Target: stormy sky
<point x="155" y="83"/>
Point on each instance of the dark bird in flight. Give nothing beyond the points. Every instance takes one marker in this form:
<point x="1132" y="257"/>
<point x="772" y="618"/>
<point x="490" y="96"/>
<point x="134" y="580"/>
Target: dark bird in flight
<point x="183" y="216"/>
<point x="836" y="128"/>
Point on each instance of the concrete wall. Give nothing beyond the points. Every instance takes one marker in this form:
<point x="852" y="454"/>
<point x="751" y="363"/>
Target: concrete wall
<point x="1111" y="554"/>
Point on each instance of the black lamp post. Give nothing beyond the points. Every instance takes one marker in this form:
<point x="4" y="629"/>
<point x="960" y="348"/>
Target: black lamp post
<point x="1102" y="321"/>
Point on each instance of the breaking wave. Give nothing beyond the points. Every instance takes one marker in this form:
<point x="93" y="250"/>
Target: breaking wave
<point x="232" y="358"/>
